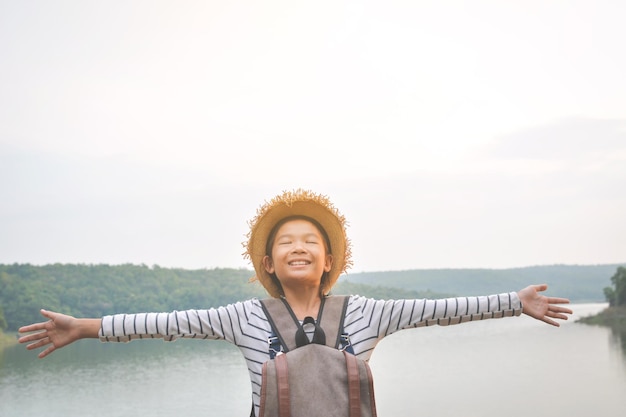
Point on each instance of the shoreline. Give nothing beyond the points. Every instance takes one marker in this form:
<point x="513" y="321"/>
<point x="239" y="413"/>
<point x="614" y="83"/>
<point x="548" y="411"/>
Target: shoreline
<point x="614" y="317"/>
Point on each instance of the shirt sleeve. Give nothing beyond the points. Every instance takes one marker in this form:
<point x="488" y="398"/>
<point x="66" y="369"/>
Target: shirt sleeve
<point x="368" y="320"/>
<point x="222" y="323"/>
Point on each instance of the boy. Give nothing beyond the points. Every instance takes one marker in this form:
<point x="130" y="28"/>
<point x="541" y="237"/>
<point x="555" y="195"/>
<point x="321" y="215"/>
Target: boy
<point x="298" y="247"/>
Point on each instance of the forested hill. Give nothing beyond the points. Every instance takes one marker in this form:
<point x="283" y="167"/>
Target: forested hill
<point x="579" y="283"/>
<point x="97" y="290"/>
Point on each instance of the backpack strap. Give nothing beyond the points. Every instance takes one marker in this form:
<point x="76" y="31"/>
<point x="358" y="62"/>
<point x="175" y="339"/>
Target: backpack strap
<point x="282" y="376"/>
<point x="285" y="324"/>
<point x="332" y="318"/>
<point x="354" y="385"/>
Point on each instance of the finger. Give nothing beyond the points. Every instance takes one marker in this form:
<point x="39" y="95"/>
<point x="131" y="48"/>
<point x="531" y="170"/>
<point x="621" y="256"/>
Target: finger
<point x="552" y="322"/>
<point x="31" y="337"/>
<point x="37" y="326"/>
<point x="540" y="287"/>
<point x="561" y="310"/>
<point x="556" y="315"/>
<point x="32" y="327"/>
<point x="46" y="352"/>
<point x="556" y="300"/>
<point x="47" y="314"/>
<point x="38" y="344"/>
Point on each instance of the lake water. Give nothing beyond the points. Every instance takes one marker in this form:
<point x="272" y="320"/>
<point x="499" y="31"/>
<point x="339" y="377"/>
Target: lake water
<point x="504" y="367"/>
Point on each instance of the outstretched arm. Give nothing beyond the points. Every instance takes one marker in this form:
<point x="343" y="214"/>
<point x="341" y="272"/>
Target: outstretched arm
<point x="541" y="307"/>
<point x="60" y="330"/>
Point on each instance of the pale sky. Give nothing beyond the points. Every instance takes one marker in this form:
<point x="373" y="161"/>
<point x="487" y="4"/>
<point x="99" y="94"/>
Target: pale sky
<point x="479" y="134"/>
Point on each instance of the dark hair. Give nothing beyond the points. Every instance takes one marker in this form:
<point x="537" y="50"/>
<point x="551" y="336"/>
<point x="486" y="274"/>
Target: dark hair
<point x="272" y="236"/>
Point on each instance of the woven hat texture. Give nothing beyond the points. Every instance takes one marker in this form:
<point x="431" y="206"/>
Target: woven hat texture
<point x="297" y="203"/>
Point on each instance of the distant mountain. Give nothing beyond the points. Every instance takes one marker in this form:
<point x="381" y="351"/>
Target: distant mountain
<point x="579" y="283"/>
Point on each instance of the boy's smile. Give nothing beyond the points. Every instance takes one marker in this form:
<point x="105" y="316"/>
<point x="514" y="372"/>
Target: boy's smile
<point x="299" y="254"/>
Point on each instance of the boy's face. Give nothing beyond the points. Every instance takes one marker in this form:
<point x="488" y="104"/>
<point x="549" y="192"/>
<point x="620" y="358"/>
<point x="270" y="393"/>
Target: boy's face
<point x="299" y="255"/>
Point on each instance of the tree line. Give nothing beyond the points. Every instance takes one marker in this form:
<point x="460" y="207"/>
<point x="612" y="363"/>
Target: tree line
<point x="616" y="295"/>
<point x="96" y="290"/>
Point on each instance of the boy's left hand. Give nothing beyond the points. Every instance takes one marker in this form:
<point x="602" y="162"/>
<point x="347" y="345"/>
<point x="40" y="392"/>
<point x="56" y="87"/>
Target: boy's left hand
<point x="541" y="307"/>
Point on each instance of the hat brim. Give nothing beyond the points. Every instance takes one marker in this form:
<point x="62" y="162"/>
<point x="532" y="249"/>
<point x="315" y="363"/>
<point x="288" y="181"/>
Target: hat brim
<point x="298" y="203"/>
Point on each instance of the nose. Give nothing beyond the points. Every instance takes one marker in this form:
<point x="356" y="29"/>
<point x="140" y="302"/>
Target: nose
<point x="298" y="247"/>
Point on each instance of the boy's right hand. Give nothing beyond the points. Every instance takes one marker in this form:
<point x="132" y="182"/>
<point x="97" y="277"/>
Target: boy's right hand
<point x="59" y="331"/>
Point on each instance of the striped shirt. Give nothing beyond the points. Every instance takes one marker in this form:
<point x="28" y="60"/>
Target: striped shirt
<point x="245" y="325"/>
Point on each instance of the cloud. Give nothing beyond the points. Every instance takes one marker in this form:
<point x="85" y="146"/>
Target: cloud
<point x="575" y="138"/>
<point x="512" y="203"/>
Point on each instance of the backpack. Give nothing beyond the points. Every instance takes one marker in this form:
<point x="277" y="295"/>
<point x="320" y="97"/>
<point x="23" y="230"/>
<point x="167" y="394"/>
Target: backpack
<point x="317" y="378"/>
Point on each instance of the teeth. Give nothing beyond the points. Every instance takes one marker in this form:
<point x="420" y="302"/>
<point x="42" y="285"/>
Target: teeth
<point x="298" y="263"/>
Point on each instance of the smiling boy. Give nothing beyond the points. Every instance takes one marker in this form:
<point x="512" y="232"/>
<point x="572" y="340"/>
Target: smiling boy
<point x="298" y="247"/>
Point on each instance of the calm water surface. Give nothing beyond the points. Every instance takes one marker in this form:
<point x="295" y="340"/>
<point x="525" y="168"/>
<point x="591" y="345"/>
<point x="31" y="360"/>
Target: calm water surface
<point x="506" y="367"/>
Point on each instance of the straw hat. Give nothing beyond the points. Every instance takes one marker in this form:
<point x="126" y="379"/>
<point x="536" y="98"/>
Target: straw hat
<point x="298" y="203"/>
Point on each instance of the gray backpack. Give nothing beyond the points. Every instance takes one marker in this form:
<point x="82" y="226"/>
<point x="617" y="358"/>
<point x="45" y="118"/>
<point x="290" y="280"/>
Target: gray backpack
<point x="318" y="377"/>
